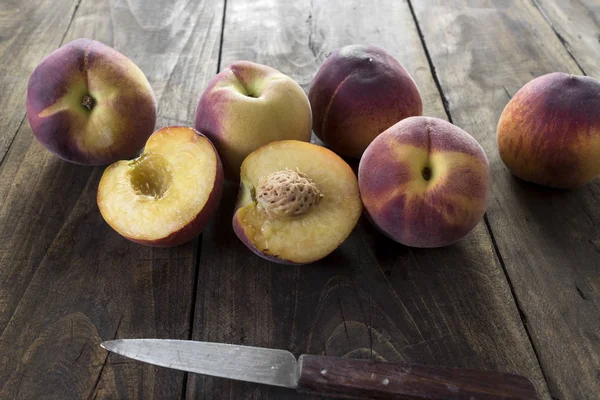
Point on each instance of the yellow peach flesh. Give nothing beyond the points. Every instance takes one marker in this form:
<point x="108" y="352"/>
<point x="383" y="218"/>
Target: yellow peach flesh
<point x="310" y="236"/>
<point x="161" y="191"/>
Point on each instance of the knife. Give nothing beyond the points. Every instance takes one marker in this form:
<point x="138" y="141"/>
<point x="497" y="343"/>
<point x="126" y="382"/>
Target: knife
<point x="325" y="375"/>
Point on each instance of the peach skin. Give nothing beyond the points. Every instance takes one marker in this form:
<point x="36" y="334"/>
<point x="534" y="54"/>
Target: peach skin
<point x="359" y="92"/>
<point x="89" y="104"/>
<point x="248" y="105"/>
<point x="549" y="132"/>
<point x="424" y="182"/>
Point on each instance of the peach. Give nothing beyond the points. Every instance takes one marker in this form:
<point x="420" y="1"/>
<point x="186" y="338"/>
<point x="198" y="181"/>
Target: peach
<point x="89" y="104"/>
<point x="167" y="195"/>
<point x="549" y="132"/>
<point x="297" y="202"/>
<point x="424" y="182"/>
<point x="248" y="105"/>
<point x="359" y="92"/>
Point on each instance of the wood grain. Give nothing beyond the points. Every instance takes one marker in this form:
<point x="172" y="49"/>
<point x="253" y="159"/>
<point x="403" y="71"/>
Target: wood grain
<point x="577" y="25"/>
<point x="372" y="298"/>
<point x="67" y="280"/>
<point x="29" y="30"/>
<point x="549" y="239"/>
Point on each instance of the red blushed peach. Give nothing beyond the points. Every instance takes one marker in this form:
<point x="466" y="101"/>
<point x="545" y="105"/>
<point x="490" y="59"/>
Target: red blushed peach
<point x="359" y="92"/>
<point x="297" y="202"/>
<point x="248" y="105"/>
<point x="549" y="132"/>
<point x="167" y="195"/>
<point x="89" y="104"/>
<point x="424" y="182"/>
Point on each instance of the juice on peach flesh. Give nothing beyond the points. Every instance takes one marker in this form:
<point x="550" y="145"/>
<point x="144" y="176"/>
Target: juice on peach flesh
<point x="297" y="202"/>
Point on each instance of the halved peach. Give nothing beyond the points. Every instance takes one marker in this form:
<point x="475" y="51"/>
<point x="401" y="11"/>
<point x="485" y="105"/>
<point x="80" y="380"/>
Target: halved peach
<point x="166" y="196"/>
<point x="297" y="202"/>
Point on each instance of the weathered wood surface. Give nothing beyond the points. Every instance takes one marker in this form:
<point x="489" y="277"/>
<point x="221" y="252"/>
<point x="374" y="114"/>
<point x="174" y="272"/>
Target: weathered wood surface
<point x="371" y="298"/>
<point x="549" y="240"/>
<point x="67" y="281"/>
<point x="28" y="31"/>
<point x="577" y="24"/>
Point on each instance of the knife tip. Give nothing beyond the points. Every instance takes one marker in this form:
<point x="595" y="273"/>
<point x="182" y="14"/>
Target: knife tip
<point x="113" y="345"/>
<point x="106" y="345"/>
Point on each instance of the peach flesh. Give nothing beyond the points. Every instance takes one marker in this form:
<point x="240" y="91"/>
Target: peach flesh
<point x="166" y="196"/>
<point x="307" y="222"/>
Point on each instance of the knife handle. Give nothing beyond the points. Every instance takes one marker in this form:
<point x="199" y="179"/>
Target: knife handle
<point x="366" y="379"/>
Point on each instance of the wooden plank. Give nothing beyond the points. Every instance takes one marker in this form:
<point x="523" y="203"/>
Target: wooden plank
<point x="577" y="24"/>
<point x="67" y="281"/>
<point x="371" y="298"/>
<point x="28" y="30"/>
<point x="549" y="239"/>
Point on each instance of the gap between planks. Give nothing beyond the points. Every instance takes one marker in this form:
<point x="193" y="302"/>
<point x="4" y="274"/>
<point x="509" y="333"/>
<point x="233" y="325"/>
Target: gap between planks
<point x="447" y="111"/>
<point x="488" y="226"/>
<point x="25" y="115"/>
<point x="562" y="40"/>
<point x="184" y="391"/>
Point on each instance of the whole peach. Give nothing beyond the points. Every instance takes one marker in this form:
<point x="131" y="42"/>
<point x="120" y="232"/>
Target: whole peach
<point x="549" y="132"/>
<point x="359" y="92"/>
<point x="89" y="104"/>
<point x="424" y="182"/>
<point x="248" y="105"/>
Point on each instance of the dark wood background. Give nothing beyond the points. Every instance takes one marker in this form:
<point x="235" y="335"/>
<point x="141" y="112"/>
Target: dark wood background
<point x="519" y="294"/>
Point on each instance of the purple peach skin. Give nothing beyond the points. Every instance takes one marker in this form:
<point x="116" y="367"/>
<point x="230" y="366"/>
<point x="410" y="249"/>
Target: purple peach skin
<point x="89" y="104"/>
<point x="424" y="182"/>
<point x="359" y="92"/>
<point x="549" y="132"/>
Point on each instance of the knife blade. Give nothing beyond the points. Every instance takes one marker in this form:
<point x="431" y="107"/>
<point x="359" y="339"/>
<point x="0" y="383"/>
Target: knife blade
<point x="325" y="375"/>
<point x="244" y="363"/>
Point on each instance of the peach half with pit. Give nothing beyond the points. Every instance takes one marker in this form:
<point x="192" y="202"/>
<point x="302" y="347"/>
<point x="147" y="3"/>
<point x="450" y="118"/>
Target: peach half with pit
<point x="424" y="182"/>
<point x="89" y="104"/>
<point x="167" y="195"/>
<point x="297" y="202"/>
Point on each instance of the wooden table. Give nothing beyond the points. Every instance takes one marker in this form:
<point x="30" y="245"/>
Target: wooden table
<point x="520" y="293"/>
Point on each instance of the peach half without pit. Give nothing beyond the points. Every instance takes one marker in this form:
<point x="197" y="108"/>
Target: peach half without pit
<point x="424" y="182"/>
<point x="166" y="196"/>
<point x="297" y="202"/>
